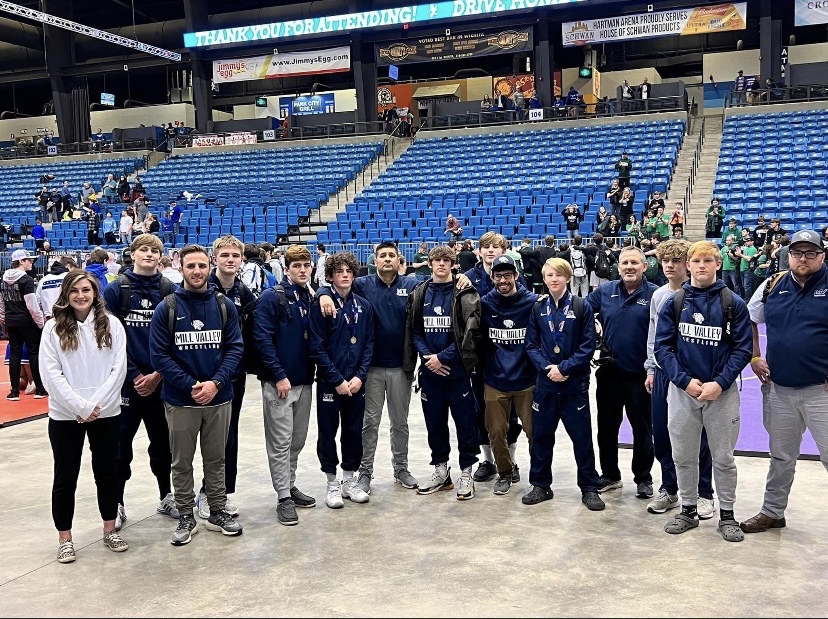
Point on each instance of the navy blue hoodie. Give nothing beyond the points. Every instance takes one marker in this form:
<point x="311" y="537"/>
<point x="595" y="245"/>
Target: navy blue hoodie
<point x="576" y="343"/>
<point x="145" y="295"/>
<point x="483" y="283"/>
<point x="199" y="350"/>
<point x="437" y="336"/>
<point x="625" y="319"/>
<point x="337" y="358"/>
<point x="243" y="298"/>
<point x="390" y="304"/>
<point x="697" y="348"/>
<point x="504" y="319"/>
<point x="283" y="335"/>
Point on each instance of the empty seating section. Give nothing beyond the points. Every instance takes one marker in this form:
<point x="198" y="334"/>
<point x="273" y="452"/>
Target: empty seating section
<point x="515" y="183"/>
<point x="256" y="195"/>
<point x="775" y="165"/>
<point x="18" y="185"/>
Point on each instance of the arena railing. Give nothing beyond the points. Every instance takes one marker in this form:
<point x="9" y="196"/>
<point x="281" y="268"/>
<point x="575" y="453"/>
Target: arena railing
<point x="774" y="96"/>
<point x="31" y="151"/>
<point x="694" y="170"/>
<point x="281" y="134"/>
<point x="601" y="109"/>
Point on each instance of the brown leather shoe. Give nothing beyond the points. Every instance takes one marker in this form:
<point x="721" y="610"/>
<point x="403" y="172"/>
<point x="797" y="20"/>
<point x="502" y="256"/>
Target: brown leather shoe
<point x="761" y="523"/>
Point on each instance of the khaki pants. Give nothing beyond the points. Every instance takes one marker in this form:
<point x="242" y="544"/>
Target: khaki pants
<point x="498" y="409"/>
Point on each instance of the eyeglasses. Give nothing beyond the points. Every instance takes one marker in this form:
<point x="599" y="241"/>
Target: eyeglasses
<point x="809" y="255"/>
<point x="506" y="275"/>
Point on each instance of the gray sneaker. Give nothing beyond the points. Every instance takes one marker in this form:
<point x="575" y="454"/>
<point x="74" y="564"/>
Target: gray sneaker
<point x="503" y="483"/>
<point x="223" y="522"/>
<point x="187" y="527"/>
<point x="440" y="480"/>
<point x="405" y="479"/>
<point x="644" y="490"/>
<point x="465" y="488"/>
<point x="364" y="482"/>
<point x="166" y="507"/>
<point x="286" y="511"/>
<point x="662" y="503"/>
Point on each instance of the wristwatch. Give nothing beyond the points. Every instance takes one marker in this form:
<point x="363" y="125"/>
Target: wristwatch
<point x="218" y="384"/>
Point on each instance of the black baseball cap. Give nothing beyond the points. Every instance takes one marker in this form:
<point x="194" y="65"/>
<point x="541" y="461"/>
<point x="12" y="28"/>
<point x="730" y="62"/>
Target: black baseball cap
<point x="504" y="263"/>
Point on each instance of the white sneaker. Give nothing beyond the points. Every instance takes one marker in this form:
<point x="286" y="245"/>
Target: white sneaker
<point x="333" y="498"/>
<point x="30" y="389"/>
<point x="166" y="507"/>
<point x="706" y="508"/>
<point x="465" y="488"/>
<point x="351" y="490"/>
<point x="202" y="506"/>
<point x="120" y="518"/>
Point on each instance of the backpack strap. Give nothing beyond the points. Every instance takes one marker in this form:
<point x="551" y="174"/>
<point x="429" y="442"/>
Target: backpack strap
<point x="125" y="295"/>
<point x="678" y="305"/>
<point x="166" y="286"/>
<point x="770" y="284"/>
<point x="171" y="307"/>
<point x="727" y="313"/>
<point x="578" y="309"/>
<point x="221" y="300"/>
<point x="283" y="302"/>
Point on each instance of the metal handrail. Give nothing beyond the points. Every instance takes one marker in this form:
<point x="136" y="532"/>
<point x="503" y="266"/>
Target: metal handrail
<point x="776" y="95"/>
<point x="694" y="169"/>
<point x="32" y="151"/>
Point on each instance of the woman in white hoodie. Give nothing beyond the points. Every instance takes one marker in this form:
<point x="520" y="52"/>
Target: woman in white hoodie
<point x="83" y="354"/>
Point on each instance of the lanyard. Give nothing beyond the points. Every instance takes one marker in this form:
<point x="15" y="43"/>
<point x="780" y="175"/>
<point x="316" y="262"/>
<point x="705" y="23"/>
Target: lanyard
<point x="552" y="319"/>
<point x="351" y="320"/>
<point x="301" y="302"/>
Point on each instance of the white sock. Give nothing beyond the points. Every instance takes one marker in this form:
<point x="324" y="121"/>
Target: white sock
<point x="487" y="453"/>
<point x="467" y="471"/>
<point x="512" y="451"/>
<point x="443" y="467"/>
<point x="347" y="475"/>
<point x="331" y="477"/>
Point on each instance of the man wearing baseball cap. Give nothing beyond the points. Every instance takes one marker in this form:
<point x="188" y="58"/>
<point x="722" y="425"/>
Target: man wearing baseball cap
<point x="508" y="375"/>
<point x="794" y="373"/>
<point x="23" y="319"/>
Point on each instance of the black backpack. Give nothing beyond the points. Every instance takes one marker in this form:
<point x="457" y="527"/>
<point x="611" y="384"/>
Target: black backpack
<point x="602" y="264"/>
<point x="170" y="300"/>
<point x="251" y="362"/>
<point x="727" y="310"/>
<point x="125" y="294"/>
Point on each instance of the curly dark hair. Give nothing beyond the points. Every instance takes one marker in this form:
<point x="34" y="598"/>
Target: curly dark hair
<point x="337" y="261"/>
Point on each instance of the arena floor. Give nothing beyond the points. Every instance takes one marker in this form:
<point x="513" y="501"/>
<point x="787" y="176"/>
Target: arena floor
<point x="403" y="554"/>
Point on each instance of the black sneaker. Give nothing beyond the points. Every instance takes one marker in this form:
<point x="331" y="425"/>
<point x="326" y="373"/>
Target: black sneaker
<point x="286" y="510"/>
<point x="187" y="527"/>
<point x="223" y="523"/>
<point x="300" y="499"/>
<point x="486" y="471"/>
<point x="593" y="501"/>
<point x="609" y="484"/>
<point x="503" y="483"/>
<point x="515" y="474"/>
<point x="14" y="396"/>
<point x="644" y="490"/>
<point x="39" y="395"/>
<point x="537" y="495"/>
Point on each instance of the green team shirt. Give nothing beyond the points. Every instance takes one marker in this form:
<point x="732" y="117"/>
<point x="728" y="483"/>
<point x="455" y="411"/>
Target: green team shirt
<point x="728" y="231"/>
<point x="727" y="263"/>
<point x="423" y="270"/>
<point x="747" y="253"/>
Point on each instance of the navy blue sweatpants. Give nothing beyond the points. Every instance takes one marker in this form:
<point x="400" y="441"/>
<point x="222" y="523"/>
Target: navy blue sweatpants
<point x="573" y="410"/>
<point x="664" y="449"/>
<point x="330" y="409"/>
<point x="439" y="396"/>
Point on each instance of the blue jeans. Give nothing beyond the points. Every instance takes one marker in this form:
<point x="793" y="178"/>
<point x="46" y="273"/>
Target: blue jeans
<point x="664" y="449"/>
<point x="732" y="280"/>
<point x="747" y="284"/>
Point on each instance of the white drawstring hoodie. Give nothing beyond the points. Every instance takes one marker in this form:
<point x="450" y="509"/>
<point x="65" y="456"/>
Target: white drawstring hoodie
<point x="79" y="380"/>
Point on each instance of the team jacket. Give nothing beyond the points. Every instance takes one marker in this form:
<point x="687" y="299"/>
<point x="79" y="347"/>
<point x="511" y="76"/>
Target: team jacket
<point x="625" y="319"/>
<point x="145" y="295"/>
<point x="504" y="321"/>
<point x="698" y="347"/>
<point x="460" y="310"/>
<point x="282" y="335"/>
<point x="337" y="357"/>
<point x="576" y="342"/>
<point x="244" y="300"/>
<point x="199" y="349"/>
<point x="390" y="304"/>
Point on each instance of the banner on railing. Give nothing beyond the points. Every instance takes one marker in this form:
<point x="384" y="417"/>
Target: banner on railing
<point x="454" y="46"/>
<point x="200" y="141"/>
<point x="291" y="64"/>
<point x="810" y="12"/>
<point x="679" y="22"/>
<point x="236" y="139"/>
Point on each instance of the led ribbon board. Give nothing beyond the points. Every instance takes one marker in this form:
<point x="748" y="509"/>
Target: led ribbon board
<point x="368" y="19"/>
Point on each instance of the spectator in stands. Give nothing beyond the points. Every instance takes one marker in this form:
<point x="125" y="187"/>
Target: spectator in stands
<point x="22" y="319"/>
<point x="124" y="188"/>
<point x="420" y="263"/>
<point x="747" y="252"/>
<point x="776" y="232"/>
<point x="109" y="229"/>
<point x="649" y="224"/>
<point x="176" y="214"/>
<point x="677" y="218"/>
<point x="53" y="205"/>
<point x="125" y="228"/>
<point x="655" y="201"/>
<point x="625" y="204"/>
<point x="644" y="89"/>
<point x="572" y="217"/>
<point x="782" y="254"/>
<point x="579" y="284"/>
<point x="613" y="229"/>
<point x="467" y="258"/>
<point x="169" y="133"/>
<point x="739" y="89"/>
<point x="732" y="230"/>
<point x="634" y="232"/>
<point x="558" y="106"/>
<point x="141" y="209"/>
<point x="730" y="264"/>
<point x="714" y="222"/>
<point x="110" y="189"/>
<point x="602" y="219"/>
<point x="519" y="100"/>
<point x="761" y="263"/>
<point x="66" y="197"/>
<point x="599" y="261"/>
<point x="531" y="264"/>
<point x="515" y="256"/>
<point x="42" y="198"/>
<point x="624" y="167"/>
<point x="92" y="226"/>
<point x="486" y="104"/>
<point x="760" y="233"/>
<point x="824" y="238"/>
<point x="614" y="194"/>
<point x="86" y="191"/>
<point x="272" y="264"/>
<point x="773" y="90"/>
<point x="573" y="99"/>
<point x="755" y="96"/>
<point x="534" y="102"/>
<point x="167" y="270"/>
<point x="453" y="228"/>
<point x="96" y="264"/>
<point x="38" y="234"/>
<point x="166" y="227"/>
<point x="662" y="223"/>
<point x="321" y="258"/>
<point x="501" y="102"/>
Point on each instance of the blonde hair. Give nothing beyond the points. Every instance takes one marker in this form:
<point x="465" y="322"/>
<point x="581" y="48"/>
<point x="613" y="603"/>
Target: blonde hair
<point x="228" y="240"/>
<point x="559" y="266"/>
<point x="674" y="249"/>
<point x="146" y="240"/>
<point x="704" y="249"/>
<point x="492" y="238"/>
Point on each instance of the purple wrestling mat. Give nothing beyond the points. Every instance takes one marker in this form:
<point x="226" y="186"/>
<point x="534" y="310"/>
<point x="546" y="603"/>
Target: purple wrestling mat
<point x="753" y="438"/>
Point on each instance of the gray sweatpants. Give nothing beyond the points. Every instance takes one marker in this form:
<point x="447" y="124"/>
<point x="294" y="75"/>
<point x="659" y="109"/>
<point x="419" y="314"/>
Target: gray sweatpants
<point x="787" y="411"/>
<point x="720" y="418"/>
<point x="379" y="383"/>
<point x="186" y="423"/>
<point x="286" y="429"/>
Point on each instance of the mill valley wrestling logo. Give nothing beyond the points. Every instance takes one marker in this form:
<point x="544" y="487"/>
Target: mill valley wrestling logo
<point x="509" y="335"/>
<point x="198" y="339"/>
<point x="438" y="323"/>
<point x="697" y="333"/>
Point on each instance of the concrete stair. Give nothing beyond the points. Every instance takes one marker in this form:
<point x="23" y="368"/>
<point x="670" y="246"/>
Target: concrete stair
<point x="705" y="178"/>
<point x="684" y="166"/>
